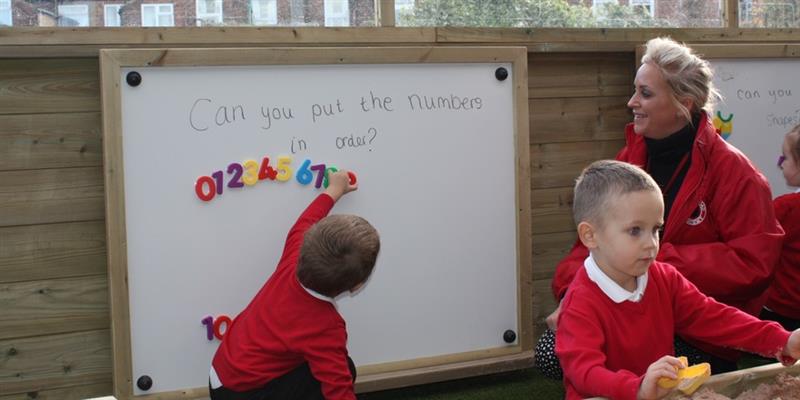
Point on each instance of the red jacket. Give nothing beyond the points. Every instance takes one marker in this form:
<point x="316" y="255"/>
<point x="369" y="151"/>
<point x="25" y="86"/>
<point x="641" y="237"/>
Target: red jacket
<point x="605" y="347"/>
<point x="721" y="234"/>
<point x="285" y="326"/>
<point x="784" y="297"/>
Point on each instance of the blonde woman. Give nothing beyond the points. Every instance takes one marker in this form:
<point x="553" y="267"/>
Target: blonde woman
<point x="720" y="230"/>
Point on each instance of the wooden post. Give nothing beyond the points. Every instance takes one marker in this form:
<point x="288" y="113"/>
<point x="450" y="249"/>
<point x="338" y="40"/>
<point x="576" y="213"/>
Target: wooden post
<point x="731" y="13"/>
<point x="385" y="10"/>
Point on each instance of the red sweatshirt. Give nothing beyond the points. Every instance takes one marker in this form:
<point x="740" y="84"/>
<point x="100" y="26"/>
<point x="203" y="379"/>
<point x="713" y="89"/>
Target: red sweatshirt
<point x="285" y="326"/>
<point x="721" y="234"/>
<point x="605" y="347"/>
<point x="784" y="297"/>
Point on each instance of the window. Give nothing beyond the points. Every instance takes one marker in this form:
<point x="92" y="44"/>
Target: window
<point x="648" y="5"/>
<point x="780" y="14"/>
<point x="209" y="12"/>
<point x="600" y="3"/>
<point x="157" y="15"/>
<point x="746" y="10"/>
<point x="264" y="12"/>
<point x="337" y="13"/>
<point x="5" y="13"/>
<point x="297" y="10"/>
<point x="403" y="6"/>
<point x="769" y="13"/>
<point x="73" y="15"/>
<point x="111" y="15"/>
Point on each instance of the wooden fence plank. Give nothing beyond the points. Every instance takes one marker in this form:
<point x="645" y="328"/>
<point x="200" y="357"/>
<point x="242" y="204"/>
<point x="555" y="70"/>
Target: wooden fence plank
<point x="55" y="361"/>
<point x="593" y="39"/>
<point x="43" y="196"/>
<point x="580" y="74"/>
<point x="52" y="251"/>
<point x="558" y="164"/>
<point x="31" y="86"/>
<point x="33" y="141"/>
<point x="578" y="119"/>
<point x="548" y="250"/>
<point x="83" y="391"/>
<point x="48" y="307"/>
<point x="551" y="210"/>
<point x="223" y="35"/>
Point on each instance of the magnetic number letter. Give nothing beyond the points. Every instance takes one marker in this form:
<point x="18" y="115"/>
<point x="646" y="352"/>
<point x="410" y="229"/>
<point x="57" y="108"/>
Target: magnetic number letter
<point x="199" y="185"/>
<point x="250" y="177"/>
<point x="222" y="319"/>
<point x="304" y="176"/>
<point x="284" y="169"/>
<point x="266" y="172"/>
<point x="208" y="321"/>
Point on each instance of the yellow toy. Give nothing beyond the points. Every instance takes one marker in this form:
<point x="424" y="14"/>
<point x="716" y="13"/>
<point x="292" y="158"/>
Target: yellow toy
<point x="689" y="378"/>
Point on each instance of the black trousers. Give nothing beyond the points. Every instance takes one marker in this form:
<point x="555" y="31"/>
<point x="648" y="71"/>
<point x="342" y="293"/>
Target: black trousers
<point x="297" y="384"/>
<point x="787" y="323"/>
<point x="697" y="356"/>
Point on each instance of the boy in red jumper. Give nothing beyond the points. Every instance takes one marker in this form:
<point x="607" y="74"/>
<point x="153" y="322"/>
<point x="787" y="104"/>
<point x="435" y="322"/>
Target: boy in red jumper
<point x="783" y="304"/>
<point x="290" y="342"/>
<point x="623" y="309"/>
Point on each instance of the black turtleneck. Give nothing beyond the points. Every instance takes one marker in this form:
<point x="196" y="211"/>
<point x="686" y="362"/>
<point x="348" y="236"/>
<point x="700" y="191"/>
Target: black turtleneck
<point x="665" y="155"/>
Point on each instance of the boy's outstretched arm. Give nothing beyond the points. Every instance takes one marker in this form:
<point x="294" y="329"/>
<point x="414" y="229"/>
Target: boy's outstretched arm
<point x="339" y="185"/>
<point x="791" y="352"/>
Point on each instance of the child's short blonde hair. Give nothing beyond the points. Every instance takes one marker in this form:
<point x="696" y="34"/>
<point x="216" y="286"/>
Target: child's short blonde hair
<point x="338" y="254"/>
<point x="796" y="145"/>
<point x="600" y="182"/>
<point x="687" y="75"/>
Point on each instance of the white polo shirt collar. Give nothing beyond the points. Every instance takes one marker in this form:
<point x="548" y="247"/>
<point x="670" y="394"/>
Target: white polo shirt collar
<point x="319" y="295"/>
<point x="611" y="289"/>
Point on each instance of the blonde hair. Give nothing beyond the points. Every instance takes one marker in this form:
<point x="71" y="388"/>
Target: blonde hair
<point x="600" y="182"/>
<point x="796" y="144"/>
<point x="687" y="75"/>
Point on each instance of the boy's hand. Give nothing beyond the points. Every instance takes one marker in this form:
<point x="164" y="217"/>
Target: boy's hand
<point x="552" y="319"/>
<point x="791" y="352"/>
<point x="664" y="367"/>
<point x="339" y="185"/>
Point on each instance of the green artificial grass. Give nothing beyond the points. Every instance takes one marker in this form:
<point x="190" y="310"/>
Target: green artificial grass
<point x="524" y="384"/>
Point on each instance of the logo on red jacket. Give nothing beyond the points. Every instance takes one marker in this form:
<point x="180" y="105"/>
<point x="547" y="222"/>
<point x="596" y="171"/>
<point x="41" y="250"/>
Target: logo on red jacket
<point x="698" y="216"/>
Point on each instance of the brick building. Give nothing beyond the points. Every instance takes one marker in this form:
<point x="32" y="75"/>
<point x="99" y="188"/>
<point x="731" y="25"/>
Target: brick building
<point x="684" y="13"/>
<point x="187" y="13"/>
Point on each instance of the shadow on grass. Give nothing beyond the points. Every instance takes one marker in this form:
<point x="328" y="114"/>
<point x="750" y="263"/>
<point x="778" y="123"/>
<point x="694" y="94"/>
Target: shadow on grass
<point x="524" y="384"/>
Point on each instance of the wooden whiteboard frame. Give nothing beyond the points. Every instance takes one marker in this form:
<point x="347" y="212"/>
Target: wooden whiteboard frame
<point x="371" y="377"/>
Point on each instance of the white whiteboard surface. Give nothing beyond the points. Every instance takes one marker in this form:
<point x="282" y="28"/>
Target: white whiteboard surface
<point x="438" y="184"/>
<point x="763" y="95"/>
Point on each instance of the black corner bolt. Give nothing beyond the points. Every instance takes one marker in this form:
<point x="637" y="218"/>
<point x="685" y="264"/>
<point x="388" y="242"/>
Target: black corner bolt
<point x="501" y="74"/>
<point x="133" y="78"/>
<point x="144" y="382"/>
<point x="509" y="336"/>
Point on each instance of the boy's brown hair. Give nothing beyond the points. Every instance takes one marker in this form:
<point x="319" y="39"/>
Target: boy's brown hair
<point x="338" y="253"/>
<point x="602" y="179"/>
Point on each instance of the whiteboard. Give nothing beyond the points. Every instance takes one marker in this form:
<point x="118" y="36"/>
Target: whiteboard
<point x="435" y="150"/>
<point x="761" y="102"/>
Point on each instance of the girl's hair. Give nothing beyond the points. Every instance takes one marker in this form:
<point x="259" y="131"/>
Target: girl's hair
<point x="687" y="75"/>
<point x="796" y="144"/>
